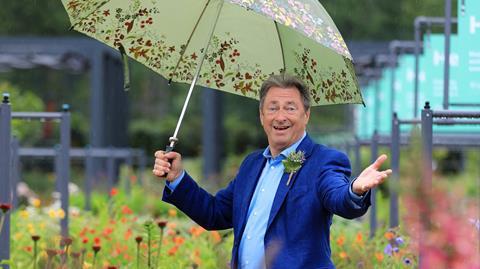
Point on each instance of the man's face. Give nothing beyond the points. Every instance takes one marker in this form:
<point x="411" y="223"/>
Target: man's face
<point x="283" y="118"/>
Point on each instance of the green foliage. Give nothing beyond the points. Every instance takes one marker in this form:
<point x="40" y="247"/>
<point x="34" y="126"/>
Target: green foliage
<point x="21" y="100"/>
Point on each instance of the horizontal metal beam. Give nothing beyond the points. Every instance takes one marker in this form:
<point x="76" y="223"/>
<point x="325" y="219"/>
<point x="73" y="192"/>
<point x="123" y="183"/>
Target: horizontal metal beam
<point x="83" y="153"/>
<point x="455" y="114"/>
<point x="36" y="115"/>
<point x="439" y="140"/>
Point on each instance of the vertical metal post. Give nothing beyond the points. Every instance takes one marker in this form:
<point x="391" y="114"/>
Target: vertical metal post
<point x="88" y="178"/>
<point x="395" y="164"/>
<point x="142" y="163"/>
<point x="212" y="134"/>
<point x="58" y="168"/>
<point x="65" y="166"/>
<point x="417" y="65"/>
<point x="376" y="117"/>
<point x="5" y="190"/>
<point x="358" y="157"/>
<point x="129" y="172"/>
<point x="446" y="75"/>
<point x="393" y="60"/>
<point x="373" y="197"/>
<point x="111" y="170"/>
<point x="15" y="171"/>
<point x="427" y="145"/>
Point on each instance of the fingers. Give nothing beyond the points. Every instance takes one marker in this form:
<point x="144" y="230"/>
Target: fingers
<point x="167" y="164"/>
<point x="379" y="161"/>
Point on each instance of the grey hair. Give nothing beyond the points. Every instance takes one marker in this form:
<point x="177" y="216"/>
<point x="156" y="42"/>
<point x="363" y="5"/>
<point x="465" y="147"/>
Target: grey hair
<point x="286" y="81"/>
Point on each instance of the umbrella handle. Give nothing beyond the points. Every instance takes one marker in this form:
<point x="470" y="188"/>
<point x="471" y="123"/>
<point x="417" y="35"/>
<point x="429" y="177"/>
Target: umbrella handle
<point x="170" y="147"/>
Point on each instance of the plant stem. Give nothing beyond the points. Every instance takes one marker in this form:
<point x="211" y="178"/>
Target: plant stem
<point x="34" y="254"/>
<point x="138" y="255"/>
<point x="149" y="249"/>
<point x="159" y="247"/>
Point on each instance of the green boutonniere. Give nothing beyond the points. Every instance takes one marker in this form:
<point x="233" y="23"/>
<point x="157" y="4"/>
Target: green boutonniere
<point x="293" y="163"/>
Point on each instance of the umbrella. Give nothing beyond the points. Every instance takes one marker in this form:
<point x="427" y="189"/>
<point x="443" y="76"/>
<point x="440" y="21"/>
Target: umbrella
<point x="229" y="45"/>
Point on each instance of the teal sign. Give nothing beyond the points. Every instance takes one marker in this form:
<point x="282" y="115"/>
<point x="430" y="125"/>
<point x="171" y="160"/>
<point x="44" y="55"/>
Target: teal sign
<point x="469" y="32"/>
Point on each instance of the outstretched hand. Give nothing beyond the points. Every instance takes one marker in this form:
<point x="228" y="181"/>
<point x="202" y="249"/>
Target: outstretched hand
<point x="371" y="177"/>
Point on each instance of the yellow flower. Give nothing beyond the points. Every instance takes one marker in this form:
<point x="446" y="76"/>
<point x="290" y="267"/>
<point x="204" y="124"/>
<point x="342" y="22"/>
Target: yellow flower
<point x="31" y="230"/>
<point x="24" y="214"/>
<point x="172" y="212"/>
<point x="343" y="255"/>
<point x="42" y="225"/>
<point x="17" y="236"/>
<point x="36" y="202"/>
<point x="52" y="213"/>
<point x="60" y="213"/>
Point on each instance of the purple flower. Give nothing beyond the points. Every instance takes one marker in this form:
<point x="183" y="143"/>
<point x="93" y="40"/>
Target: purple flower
<point x="388" y="250"/>
<point x="399" y="241"/>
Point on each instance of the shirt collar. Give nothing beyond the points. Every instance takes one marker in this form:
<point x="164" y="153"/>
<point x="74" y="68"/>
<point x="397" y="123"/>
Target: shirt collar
<point x="267" y="154"/>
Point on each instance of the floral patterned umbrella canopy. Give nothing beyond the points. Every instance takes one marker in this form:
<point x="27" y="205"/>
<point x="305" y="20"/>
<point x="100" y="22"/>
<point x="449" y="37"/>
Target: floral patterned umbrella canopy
<point x="250" y="40"/>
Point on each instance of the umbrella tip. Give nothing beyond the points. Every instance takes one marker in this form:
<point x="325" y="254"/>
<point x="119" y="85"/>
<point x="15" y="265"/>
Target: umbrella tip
<point x="170" y="81"/>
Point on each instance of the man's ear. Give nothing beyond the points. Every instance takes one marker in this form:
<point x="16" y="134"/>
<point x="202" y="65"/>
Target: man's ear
<point x="307" y="115"/>
<point x="261" y="116"/>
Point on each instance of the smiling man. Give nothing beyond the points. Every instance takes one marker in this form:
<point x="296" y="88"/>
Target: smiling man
<point x="279" y="221"/>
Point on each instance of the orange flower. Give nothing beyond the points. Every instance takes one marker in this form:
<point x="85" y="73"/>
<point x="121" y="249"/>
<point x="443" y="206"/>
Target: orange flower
<point x="389" y="235"/>
<point x="359" y="238"/>
<point x="178" y="240"/>
<point x="96" y="241"/>
<point x="113" y="192"/>
<point x="126" y="210"/>
<point x="173" y="250"/>
<point x="85" y="240"/>
<point x="172" y="212"/>
<point x="341" y="240"/>
<point x="196" y="231"/>
<point x="128" y="234"/>
<point x="28" y="249"/>
<point x="379" y="256"/>
<point x="217" y="238"/>
<point x="343" y="255"/>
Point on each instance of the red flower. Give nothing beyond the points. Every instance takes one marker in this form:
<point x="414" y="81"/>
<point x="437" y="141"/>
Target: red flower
<point x="85" y="240"/>
<point x="126" y="210"/>
<point x="96" y="241"/>
<point x="96" y="248"/>
<point x="113" y="192"/>
<point x="5" y="207"/>
<point x="161" y="224"/>
<point x="35" y="238"/>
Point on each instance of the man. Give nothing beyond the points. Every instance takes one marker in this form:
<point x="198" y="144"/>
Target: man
<point x="278" y="220"/>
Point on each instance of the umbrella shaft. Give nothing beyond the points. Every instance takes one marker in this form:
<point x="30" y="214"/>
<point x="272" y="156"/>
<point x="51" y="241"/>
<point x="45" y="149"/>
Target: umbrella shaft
<point x="197" y="72"/>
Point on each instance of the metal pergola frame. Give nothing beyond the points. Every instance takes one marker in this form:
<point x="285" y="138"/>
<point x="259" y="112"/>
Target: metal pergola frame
<point x="6" y="192"/>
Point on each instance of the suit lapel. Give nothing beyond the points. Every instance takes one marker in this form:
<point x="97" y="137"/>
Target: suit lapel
<point x="282" y="191"/>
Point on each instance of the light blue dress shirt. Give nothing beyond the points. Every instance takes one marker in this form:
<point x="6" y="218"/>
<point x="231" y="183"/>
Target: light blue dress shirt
<point x="251" y="249"/>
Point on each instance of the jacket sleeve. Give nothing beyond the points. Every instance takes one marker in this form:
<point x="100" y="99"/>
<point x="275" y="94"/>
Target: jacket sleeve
<point x="210" y="212"/>
<point x="333" y="188"/>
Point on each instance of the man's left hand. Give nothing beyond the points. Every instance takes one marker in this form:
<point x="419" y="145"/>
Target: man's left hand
<point x="371" y="177"/>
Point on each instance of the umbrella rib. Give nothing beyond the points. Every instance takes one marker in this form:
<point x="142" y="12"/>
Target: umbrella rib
<point x="182" y="53"/>
<point x="174" y="139"/>
<point x="281" y="46"/>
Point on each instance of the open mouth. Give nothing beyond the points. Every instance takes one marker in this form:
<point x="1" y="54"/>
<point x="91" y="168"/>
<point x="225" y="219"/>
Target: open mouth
<point x="281" y="128"/>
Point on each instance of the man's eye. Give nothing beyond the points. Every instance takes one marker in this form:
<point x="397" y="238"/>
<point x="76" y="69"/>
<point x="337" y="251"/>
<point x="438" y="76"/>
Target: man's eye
<point x="291" y="108"/>
<point x="272" y="109"/>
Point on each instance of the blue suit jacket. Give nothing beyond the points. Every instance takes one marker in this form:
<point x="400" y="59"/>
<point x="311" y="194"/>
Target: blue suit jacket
<point x="298" y="229"/>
